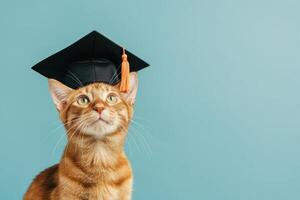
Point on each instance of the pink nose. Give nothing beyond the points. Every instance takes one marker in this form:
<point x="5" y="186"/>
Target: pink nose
<point x="99" y="109"/>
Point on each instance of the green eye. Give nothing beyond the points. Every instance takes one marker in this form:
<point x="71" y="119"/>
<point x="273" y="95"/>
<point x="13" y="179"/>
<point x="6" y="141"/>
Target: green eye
<point x="112" y="99"/>
<point x="83" y="100"/>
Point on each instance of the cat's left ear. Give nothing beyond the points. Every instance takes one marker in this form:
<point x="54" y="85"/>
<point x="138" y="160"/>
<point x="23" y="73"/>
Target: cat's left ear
<point x="130" y="96"/>
<point x="59" y="93"/>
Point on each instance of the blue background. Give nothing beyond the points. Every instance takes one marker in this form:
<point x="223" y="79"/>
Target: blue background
<point x="217" y="114"/>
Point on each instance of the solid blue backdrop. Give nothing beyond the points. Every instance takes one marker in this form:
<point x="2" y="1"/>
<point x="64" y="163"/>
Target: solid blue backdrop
<point x="218" y="111"/>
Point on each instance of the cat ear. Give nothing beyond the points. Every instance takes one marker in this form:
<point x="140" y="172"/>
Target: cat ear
<point x="59" y="93"/>
<point x="133" y="86"/>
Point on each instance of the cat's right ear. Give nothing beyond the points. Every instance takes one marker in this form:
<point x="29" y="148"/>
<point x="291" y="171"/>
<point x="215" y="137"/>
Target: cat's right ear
<point x="59" y="93"/>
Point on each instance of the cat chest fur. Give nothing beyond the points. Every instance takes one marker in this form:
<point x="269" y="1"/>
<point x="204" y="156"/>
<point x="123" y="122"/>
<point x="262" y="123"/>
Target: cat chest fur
<point x="99" y="174"/>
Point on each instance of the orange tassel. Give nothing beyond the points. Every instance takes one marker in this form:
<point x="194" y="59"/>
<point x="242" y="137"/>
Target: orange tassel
<point x="125" y="70"/>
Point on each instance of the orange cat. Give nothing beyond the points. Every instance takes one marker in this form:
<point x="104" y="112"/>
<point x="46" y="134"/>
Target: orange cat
<point x="94" y="165"/>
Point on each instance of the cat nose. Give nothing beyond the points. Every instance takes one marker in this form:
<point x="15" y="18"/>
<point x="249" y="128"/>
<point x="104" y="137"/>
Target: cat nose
<point x="98" y="109"/>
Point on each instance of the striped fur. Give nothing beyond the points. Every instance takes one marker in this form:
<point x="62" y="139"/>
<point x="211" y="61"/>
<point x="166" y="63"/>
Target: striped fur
<point x="93" y="165"/>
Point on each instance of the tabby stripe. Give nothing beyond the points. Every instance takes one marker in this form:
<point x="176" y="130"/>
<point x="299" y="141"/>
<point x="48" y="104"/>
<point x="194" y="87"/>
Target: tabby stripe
<point x="122" y="179"/>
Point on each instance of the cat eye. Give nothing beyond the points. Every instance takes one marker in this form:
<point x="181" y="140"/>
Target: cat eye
<point x="83" y="100"/>
<point x="112" y="99"/>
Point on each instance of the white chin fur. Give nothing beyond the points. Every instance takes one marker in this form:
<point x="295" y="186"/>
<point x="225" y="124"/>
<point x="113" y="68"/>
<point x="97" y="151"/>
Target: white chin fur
<point x="100" y="129"/>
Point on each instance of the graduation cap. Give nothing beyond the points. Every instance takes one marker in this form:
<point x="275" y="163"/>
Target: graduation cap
<point x="93" y="58"/>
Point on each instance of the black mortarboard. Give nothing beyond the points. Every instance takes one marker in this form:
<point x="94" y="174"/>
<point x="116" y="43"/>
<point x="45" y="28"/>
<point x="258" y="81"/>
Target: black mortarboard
<point x="93" y="58"/>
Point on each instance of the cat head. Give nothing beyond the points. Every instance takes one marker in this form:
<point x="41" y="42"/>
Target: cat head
<point x="96" y="110"/>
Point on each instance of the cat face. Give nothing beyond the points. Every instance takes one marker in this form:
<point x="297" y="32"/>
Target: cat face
<point x="96" y="110"/>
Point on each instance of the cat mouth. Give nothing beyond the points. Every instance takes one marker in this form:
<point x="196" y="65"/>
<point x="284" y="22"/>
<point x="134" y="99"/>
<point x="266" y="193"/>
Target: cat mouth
<point x="103" y="120"/>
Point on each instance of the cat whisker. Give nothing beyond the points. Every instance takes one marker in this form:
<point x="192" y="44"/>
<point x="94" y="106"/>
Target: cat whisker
<point x="77" y="121"/>
<point x="82" y="117"/>
<point x="81" y="123"/>
<point x="135" y="134"/>
<point x="74" y="132"/>
<point x="135" y="142"/>
<point x="66" y="123"/>
<point x="78" y="80"/>
<point x="139" y="125"/>
<point x="129" y="146"/>
<point x="110" y="81"/>
<point x="114" y="78"/>
<point x="61" y="125"/>
<point x="133" y="138"/>
<point x="115" y="75"/>
<point x="145" y="144"/>
<point x="55" y="146"/>
<point x="74" y="79"/>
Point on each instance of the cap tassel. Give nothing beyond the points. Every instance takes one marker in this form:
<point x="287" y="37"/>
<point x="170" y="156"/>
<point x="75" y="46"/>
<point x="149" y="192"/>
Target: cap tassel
<point x="125" y="70"/>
